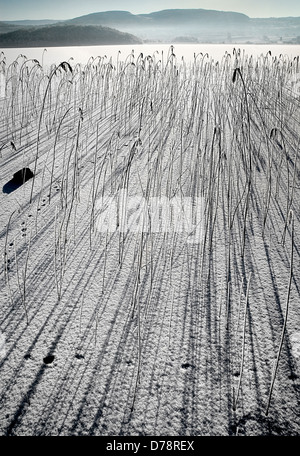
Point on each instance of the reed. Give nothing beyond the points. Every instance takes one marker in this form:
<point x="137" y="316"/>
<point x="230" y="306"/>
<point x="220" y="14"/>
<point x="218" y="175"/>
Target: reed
<point x="276" y="363"/>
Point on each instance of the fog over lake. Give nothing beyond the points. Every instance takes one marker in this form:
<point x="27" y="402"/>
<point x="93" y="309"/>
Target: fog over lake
<point x="81" y="54"/>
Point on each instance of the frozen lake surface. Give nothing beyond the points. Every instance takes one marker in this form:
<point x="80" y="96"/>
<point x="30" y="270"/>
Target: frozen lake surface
<point x="121" y="319"/>
<point x="81" y="54"/>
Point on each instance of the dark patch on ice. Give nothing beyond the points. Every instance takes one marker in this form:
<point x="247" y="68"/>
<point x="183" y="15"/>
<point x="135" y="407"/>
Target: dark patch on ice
<point x="187" y="366"/>
<point x="257" y="422"/>
<point x="232" y="429"/>
<point x="27" y="356"/>
<point x="236" y="374"/>
<point x="78" y="356"/>
<point x="48" y="359"/>
<point x="19" y="178"/>
<point x="293" y="376"/>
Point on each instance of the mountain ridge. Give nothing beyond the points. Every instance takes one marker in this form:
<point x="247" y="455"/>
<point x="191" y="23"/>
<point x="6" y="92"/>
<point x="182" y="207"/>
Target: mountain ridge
<point x="202" y="24"/>
<point x="171" y="14"/>
<point x="193" y="24"/>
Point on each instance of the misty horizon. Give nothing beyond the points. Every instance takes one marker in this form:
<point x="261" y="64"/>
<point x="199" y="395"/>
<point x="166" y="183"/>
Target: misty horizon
<point x="62" y="19"/>
<point x="16" y="10"/>
<point x="170" y="25"/>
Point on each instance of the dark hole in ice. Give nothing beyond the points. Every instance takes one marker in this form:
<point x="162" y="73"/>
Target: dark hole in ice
<point x="27" y="356"/>
<point x="187" y="366"/>
<point x="78" y="356"/>
<point x="236" y="374"/>
<point x="48" y="359"/>
<point x="19" y="178"/>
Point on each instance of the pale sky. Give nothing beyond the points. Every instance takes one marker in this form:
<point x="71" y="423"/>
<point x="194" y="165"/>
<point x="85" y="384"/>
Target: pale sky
<point x="67" y="9"/>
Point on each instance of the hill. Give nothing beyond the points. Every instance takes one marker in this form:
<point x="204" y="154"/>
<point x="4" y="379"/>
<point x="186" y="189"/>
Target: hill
<point x="66" y="35"/>
<point x="109" y="18"/>
<point x="199" y="16"/>
<point x="6" y="27"/>
<point x="163" y="18"/>
<point x="33" y="22"/>
<point x="205" y="25"/>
